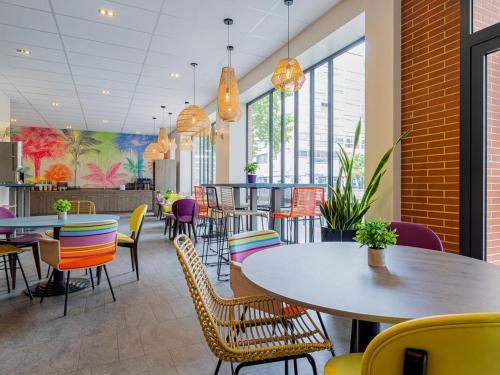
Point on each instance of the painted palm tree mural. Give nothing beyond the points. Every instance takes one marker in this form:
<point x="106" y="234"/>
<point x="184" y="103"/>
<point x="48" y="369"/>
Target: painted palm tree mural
<point x="79" y="143"/>
<point x="136" y="144"/>
<point x="100" y="179"/>
<point x="40" y="143"/>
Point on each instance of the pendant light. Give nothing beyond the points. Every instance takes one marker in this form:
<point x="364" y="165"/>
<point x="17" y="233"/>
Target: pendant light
<point x="172" y="144"/>
<point x="187" y="144"/>
<point x="192" y="118"/>
<point x="152" y="152"/>
<point x="288" y="75"/>
<point x="163" y="140"/>
<point x="228" y="94"/>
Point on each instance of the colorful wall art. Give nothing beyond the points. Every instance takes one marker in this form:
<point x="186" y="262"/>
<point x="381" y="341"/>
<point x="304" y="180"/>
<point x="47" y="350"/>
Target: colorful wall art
<point x="83" y="158"/>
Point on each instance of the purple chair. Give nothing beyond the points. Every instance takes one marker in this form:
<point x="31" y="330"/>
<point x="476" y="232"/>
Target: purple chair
<point x="159" y="202"/>
<point x="30" y="240"/>
<point x="416" y="235"/>
<point x="184" y="214"/>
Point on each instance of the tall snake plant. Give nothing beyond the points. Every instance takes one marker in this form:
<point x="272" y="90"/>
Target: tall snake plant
<point x="343" y="210"/>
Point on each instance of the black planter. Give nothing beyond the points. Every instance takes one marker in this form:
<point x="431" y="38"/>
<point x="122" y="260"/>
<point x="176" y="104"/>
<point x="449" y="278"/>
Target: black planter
<point x="333" y="235"/>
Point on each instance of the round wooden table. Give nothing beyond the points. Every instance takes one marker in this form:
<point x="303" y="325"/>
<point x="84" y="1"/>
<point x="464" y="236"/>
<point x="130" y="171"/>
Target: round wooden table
<point x="334" y="278"/>
<point x="57" y="285"/>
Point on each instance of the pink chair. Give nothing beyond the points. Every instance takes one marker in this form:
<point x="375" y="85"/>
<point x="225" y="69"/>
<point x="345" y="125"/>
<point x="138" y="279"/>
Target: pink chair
<point x="416" y="235"/>
<point x="21" y="242"/>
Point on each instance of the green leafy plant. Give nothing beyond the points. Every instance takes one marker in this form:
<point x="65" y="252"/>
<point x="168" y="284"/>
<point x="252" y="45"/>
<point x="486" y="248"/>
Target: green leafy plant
<point x="344" y="211"/>
<point x="61" y="205"/>
<point x="375" y="234"/>
<point x="251" y="168"/>
<point x="167" y="195"/>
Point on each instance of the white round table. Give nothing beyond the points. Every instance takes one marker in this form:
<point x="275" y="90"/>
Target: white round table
<point x="334" y="278"/>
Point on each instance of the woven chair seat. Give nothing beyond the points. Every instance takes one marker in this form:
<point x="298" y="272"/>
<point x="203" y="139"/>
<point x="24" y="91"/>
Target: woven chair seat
<point x="9" y="250"/>
<point x="246" y="329"/>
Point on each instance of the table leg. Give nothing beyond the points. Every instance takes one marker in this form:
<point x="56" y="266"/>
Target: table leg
<point x="237" y="203"/>
<point x="57" y="286"/>
<point x="275" y="207"/>
<point x="253" y="207"/>
<point x="365" y="333"/>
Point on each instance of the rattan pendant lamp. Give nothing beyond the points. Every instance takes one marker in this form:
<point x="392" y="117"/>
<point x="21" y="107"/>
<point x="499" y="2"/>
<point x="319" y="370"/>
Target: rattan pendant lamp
<point x="163" y="140"/>
<point x="172" y="144"/>
<point x="228" y="94"/>
<point x="192" y="119"/>
<point x="152" y="151"/>
<point x="187" y="144"/>
<point x="288" y="75"/>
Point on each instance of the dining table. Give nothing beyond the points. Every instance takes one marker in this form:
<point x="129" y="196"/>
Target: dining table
<point x="335" y="278"/>
<point x="276" y="190"/>
<point x="57" y="286"/>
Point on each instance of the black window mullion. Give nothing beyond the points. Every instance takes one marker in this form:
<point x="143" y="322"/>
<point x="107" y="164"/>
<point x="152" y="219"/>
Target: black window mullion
<point x="311" y="127"/>
<point x="296" y="137"/>
<point x="283" y="145"/>
<point x="271" y="137"/>
<point x="331" y="130"/>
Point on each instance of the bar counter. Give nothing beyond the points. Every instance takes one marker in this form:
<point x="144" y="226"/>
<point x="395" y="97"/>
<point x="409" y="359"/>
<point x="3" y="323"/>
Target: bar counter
<point x="105" y="200"/>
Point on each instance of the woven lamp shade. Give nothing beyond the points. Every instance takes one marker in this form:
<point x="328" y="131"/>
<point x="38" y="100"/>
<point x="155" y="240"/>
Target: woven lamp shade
<point x="288" y="76"/>
<point x="186" y="145"/>
<point x="172" y="145"/>
<point x="163" y="140"/>
<point x="152" y="152"/>
<point x="228" y="96"/>
<point x="192" y="119"/>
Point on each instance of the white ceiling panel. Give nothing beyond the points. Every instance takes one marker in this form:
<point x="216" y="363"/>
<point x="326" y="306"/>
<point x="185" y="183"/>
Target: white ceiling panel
<point x="35" y="4"/>
<point x="152" y="5"/>
<point x="27" y="18"/>
<point x="117" y="53"/>
<point x="24" y="38"/>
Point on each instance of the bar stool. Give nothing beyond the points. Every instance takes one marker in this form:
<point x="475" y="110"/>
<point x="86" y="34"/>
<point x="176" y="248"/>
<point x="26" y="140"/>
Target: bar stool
<point x="306" y="206"/>
<point x="213" y="226"/>
<point x="199" y="197"/>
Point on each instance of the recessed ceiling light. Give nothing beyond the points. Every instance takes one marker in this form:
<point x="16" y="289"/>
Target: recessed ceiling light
<point x="23" y="51"/>
<point x="174" y="75"/>
<point x="137" y="132"/>
<point x="105" y="121"/>
<point x="106" y="12"/>
<point x="105" y="92"/>
<point x="68" y="126"/>
<point x="13" y="120"/>
<point x="55" y="104"/>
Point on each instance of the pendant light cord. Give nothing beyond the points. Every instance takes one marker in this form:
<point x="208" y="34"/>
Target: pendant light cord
<point x="194" y="84"/>
<point x="288" y="24"/>
<point x="228" y="50"/>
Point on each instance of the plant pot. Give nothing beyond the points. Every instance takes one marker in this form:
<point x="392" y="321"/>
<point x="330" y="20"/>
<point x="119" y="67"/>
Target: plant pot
<point x="334" y="235"/>
<point x="376" y="257"/>
<point x="62" y="215"/>
<point x="251" y="178"/>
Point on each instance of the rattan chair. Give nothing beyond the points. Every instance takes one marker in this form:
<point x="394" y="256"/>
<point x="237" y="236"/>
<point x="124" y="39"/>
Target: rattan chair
<point x="241" y="329"/>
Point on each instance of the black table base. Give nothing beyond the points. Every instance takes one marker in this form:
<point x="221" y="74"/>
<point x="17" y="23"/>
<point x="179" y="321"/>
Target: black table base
<point x="362" y="334"/>
<point x="57" y="288"/>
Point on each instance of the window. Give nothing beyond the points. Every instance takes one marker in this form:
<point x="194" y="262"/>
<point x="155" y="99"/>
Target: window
<point x="203" y="160"/>
<point x="299" y="143"/>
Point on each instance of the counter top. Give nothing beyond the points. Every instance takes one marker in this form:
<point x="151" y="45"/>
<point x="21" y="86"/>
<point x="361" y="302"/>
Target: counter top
<point x="24" y="185"/>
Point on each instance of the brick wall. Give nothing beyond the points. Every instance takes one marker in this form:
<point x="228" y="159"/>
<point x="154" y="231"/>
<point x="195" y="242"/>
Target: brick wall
<point x="430" y="167"/>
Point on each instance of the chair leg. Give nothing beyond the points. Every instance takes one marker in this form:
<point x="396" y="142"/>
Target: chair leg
<point x="218" y="367"/>
<point x="6" y="269"/>
<point x="136" y="260"/>
<point x="286" y="366"/>
<point x="109" y="282"/>
<point x="36" y="257"/>
<point x="194" y="231"/>
<point x="91" y="278"/>
<point x="66" y="296"/>
<point x="24" y="277"/>
<point x="354" y="334"/>
<point x="13" y="269"/>
<point x="48" y="272"/>
<point x="313" y="363"/>
<point x="132" y="259"/>
<point x="98" y="274"/>
<point x="324" y="331"/>
<point x="188" y="229"/>
<point x="44" y="289"/>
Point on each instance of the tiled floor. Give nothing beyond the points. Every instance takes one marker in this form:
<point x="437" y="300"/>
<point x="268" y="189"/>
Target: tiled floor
<point x="151" y="329"/>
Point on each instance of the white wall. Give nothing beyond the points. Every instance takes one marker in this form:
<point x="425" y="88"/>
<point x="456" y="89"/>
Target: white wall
<point x="4" y="123"/>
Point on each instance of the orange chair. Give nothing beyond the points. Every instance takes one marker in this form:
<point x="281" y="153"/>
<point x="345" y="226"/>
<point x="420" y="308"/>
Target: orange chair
<point x="81" y="246"/>
<point x="199" y="197"/>
<point x="306" y="205"/>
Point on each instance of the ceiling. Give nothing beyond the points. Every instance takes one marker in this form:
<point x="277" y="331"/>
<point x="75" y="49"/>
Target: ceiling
<point x="76" y="53"/>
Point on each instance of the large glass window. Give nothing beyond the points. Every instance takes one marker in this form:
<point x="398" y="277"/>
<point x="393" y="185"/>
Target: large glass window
<point x="321" y="109"/>
<point x="289" y="139"/>
<point x="304" y="140"/>
<point x="259" y="137"/>
<point x="203" y="160"/>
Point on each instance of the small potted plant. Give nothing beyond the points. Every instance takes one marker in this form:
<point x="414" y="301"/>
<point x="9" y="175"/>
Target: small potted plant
<point x="62" y="206"/>
<point x="167" y="195"/>
<point x="377" y="237"/>
<point x="251" y="169"/>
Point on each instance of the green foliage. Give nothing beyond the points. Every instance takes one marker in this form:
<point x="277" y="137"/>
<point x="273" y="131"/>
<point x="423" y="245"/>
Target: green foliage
<point x="344" y="210"/>
<point x="167" y="195"/>
<point x="251" y="168"/>
<point x="135" y="168"/>
<point x="61" y="205"/>
<point x="375" y="234"/>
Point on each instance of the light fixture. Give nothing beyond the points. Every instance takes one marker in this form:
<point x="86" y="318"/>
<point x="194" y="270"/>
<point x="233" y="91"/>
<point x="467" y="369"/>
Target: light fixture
<point x="163" y="140"/>
<point x="13" y="120"/>
<point x="68" y="126"/>
<point x="23" y="51"/>
<point x="187" y="144"/>
<point x="172" y="144"/>
<point x="174" y="75"/>
<point x="288" y="75"/>
<point x="152" y="151"/>
<point x="55" y="104"/>
<point x="192" y="119"/>
<point x="228" y="94"/>
<point x="105" y="92"/>
<point x="106" y="12"/>
<point x="137" y="132"/>
<point x="105" y="121"/>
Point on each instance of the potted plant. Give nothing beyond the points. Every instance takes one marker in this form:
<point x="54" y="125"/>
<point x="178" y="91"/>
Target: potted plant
<point x="251" y="169"/>
<point x="167" y="195"/>
<point x="377" y="237"/>
<point x="343" y="211"/>
<point x="62" y="206"/>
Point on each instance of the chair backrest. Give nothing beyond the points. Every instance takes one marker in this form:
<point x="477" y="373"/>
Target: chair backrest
<point x="159" y="198"/>
<point x="212" y="199"/>
<point x="242" y="245"/>
<point x="82" y="207"/>
<point x="417" y="235"/>
<point x="227" y="198"/>
<point x="5" y="213"/>
<point x="307" y="201"/>
<point x="136" y="219"/>
<point x="455" y="344"/>
<point x="199" y="196"/>
<point x="86" y="240"/>
<point x="185" y="207"/>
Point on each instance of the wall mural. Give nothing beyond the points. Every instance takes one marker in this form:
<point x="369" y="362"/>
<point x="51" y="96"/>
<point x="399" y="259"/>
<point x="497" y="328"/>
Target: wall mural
<point x="83" y="158"/>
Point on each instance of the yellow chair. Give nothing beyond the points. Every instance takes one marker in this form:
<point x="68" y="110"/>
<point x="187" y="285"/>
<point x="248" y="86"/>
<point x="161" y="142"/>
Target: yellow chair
<point x="131" y="242"/>
<point x="454" y="344"/>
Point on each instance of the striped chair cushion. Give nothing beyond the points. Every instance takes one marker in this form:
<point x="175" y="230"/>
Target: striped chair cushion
<point x="88" y="240"/>
<point x="244" y="244"/>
